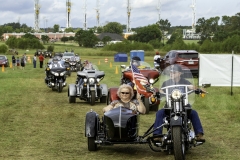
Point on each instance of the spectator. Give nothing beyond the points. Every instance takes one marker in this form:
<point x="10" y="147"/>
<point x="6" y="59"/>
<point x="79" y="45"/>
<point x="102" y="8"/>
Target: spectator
<point x="18" y="62"/>
<point x="23" y="62"/>
<point x="41" y="59"/>
<point x="34" y="61"/>
<point x="13" y="61"/>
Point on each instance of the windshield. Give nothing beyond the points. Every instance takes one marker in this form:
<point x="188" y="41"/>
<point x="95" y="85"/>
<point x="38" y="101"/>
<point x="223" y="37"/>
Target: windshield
<point x="171" y="79"/>
<point x="2" y="57"/>
<point x="188" y="55"/>
<point x="68" y="54"/>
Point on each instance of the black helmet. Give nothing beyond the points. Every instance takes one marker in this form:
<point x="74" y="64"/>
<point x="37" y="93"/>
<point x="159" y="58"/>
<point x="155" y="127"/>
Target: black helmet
<point x="136" y="61"/>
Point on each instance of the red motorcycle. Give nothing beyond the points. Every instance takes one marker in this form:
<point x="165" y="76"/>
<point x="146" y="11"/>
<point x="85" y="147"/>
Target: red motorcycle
<point x="149" y="94"/>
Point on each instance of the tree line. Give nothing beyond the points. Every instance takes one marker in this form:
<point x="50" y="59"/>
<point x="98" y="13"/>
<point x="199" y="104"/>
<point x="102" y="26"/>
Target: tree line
<point x="216" y="36"/>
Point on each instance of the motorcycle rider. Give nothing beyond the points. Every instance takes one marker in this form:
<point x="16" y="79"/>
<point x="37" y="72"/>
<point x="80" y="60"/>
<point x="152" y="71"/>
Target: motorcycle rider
<point x="85" y="66"/>
<point x="175" y="78"/>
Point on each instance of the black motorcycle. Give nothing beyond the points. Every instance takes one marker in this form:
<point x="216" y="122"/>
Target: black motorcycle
<point x="74" y="64"/>
<point x="88" y="87"/>
<point x="120" y="125"/>
<point x="56" y="76"/>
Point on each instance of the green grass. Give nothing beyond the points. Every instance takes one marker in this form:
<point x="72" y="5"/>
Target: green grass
<point x="38" y="123"/>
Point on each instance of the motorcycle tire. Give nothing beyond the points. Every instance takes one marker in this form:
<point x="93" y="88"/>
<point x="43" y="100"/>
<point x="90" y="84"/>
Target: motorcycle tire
<point x="92" y="146"/>
<point x="146" y="104"/>
<point x="71" y="99"/>
<point x="92" y="98"/>
<point x="60" y="87"/>
<point x="103" y="99"/>
<point x="178" y="143"/>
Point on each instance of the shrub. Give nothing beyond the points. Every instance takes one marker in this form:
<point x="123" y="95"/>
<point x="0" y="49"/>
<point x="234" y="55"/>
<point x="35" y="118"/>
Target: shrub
<point x="3" y="48"/>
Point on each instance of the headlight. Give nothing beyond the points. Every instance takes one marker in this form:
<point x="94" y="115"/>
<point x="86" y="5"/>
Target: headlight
<point x="91" y="80"/>
<point x="62" y="74"/>
<point x="55" y="73"/>
<point x="85" y="80"/>
<point x="151" y="80"/>
<point x="98" y="79"/>
<point x="176" y="94"/>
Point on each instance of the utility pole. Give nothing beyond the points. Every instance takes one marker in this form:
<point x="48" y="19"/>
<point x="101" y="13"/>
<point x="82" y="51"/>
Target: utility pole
<point x="85" y="15"/>
<point x="36" y="14"/>
<point x="68" y="12"/>
<point x="98" y="14"/>
<point x="128" y="14"/>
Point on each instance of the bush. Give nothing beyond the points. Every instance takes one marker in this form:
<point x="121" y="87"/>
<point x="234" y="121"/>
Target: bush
<point x="50" y="48"/>
<point x="3" y="48"/>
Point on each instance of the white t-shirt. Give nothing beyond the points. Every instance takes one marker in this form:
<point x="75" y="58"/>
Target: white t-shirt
<point x="156" y="57"/>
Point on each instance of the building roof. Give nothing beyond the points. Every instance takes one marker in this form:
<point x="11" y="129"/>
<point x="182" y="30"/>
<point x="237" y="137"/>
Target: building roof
<point x="114" y="36"/>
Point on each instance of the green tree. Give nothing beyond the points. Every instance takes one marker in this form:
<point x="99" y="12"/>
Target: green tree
<point x="106" y="39"/>
<point x="86" y="38"/>
<point x="64" y="39"/>
<point x="56" y="28"/>
<point x="70" y="29"/>
<point x="3" y="48"/>
<point x="45" y="39"/>
<point x="113" y="27"/>
<point x="148" y="33"/>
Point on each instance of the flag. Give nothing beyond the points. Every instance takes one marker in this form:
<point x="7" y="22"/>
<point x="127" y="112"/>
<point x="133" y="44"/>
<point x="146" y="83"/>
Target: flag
<point x="137" y="75"/>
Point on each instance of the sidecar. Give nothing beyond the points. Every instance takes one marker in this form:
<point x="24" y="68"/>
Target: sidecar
<point x="117" y="126"/>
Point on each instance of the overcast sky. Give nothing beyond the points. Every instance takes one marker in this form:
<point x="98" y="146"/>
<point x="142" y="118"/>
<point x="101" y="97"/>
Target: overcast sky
<point x="143" y="12"/>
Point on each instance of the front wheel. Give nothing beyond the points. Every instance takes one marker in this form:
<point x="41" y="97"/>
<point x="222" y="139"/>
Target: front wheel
<point x="92" y="146"/>
<point x="178" y="143"/>
<point x="60" y="87"/>
<point x="92" y="98"/>
<point x="146" y="104"/>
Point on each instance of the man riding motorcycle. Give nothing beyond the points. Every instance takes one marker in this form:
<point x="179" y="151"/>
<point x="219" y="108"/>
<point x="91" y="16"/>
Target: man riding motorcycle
<point x="175" y="79"/>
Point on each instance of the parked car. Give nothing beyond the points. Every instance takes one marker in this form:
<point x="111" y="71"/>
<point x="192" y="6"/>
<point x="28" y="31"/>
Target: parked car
<point x="187" y="58"/>
<point x="4" y="61"/>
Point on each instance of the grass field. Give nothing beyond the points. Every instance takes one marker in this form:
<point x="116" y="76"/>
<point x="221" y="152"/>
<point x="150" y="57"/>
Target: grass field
<point x="38" y="123"/>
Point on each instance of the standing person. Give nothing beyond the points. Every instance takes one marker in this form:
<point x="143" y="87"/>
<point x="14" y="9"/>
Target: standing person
<point x="41" y="59"/>
<point x="23" y="62"/>
<point x="34" y="61"/>
<point x="18" y="62"/>
<point x="125" y="93"/>
<point x="13" y="61"/>
<point x="25" y="59"/>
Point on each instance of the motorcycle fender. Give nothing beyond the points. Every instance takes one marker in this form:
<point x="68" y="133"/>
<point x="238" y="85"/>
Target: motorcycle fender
<point x="90" y="124"/>
<point x="176" y="121"/>
<point x="104" y="89"/>
<point x="72" y="91"/>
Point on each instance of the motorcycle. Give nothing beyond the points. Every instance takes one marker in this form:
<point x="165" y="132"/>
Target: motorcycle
<point x="120" y="125"/>
<point x="56" y="76"/>
<point x="148" y="93"/>
<point x="74" y="64"/>
<point x="88" y="86"/>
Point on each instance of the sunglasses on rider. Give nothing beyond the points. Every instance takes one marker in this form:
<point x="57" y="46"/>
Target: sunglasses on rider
<point x="125" y="92"/>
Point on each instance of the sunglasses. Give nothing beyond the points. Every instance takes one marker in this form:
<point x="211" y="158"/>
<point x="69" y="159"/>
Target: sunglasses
<point x="125" y="92"/>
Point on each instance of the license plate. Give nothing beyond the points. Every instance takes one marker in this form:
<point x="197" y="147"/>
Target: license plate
<point x="92" y="88"/>
<point x="190" y="62"/>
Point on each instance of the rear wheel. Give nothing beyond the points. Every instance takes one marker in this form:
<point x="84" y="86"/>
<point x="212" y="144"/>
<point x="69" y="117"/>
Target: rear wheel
<point x="154" y="107"/>
<point x="146" y="104"/>
<point x="92" y="98"/>
<point x="92" y="146"/>
<point x="103" y="99"/>
<point x="178" y="143"/>
<point x="108" y="99"/>
<point x="72" y="99"/>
